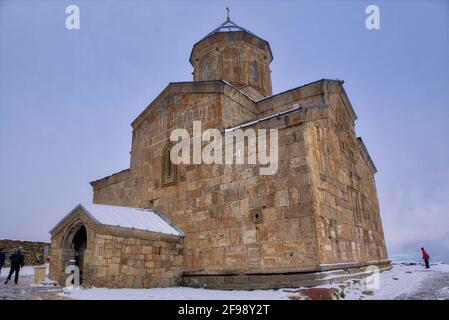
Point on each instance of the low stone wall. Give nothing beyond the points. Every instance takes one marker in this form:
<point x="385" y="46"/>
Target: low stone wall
<point x="33" y="251"/>
<point x="128" y="262"/>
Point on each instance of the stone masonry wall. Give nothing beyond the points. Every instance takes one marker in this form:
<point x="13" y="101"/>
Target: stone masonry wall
<point x="345" y="198"/>
<point x="126" y="262"/>
<point x="33" y="251"/>
<point x="237" y="221"/>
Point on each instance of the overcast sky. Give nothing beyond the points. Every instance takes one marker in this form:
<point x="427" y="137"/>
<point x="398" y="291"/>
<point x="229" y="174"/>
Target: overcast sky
<point x="67" y="97"/>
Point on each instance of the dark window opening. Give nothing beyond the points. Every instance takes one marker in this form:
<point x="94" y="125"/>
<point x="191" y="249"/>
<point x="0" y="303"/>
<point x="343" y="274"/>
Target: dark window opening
<point x="168" y="168"/>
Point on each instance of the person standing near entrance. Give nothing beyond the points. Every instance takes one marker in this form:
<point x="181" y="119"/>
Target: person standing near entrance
<point x="2" y="259"/>
<point x="426" y="257"/>
<point x="17" y="261"/>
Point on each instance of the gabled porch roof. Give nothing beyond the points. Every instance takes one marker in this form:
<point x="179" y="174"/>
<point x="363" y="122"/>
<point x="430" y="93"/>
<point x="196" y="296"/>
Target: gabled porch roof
<point x="125" y="217"/>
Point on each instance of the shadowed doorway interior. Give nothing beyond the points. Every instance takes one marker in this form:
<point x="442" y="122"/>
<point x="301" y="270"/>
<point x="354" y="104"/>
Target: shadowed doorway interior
<point x="79" y="245"/>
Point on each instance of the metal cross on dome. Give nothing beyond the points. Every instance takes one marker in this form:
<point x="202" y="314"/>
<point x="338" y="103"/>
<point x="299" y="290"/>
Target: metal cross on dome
<point x="228" y="12"/>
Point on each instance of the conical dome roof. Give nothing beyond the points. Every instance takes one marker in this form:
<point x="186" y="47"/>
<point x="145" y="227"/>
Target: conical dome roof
<point x="229" y="26"/>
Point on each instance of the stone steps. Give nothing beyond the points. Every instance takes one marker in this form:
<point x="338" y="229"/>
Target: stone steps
<point x="273" y="281"/>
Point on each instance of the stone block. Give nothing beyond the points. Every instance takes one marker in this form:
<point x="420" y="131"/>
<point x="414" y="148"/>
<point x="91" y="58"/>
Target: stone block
<point x="322" y="293"/>
<point x="282" y="198"/>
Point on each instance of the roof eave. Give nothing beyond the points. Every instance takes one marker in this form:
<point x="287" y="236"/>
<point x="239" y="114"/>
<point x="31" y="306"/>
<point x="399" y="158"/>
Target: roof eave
<point x="138" y="120"/>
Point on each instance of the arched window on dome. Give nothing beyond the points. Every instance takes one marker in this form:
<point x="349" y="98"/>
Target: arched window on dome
<point x="255" y="71"/>
<point x="169" y="176"/>
<point x="206" y="70"/>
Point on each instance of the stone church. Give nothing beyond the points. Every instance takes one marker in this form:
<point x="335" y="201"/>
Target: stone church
<point x="225" y="225"/>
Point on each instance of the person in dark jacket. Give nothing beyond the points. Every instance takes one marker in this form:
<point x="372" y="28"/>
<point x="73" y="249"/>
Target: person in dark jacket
<point x="17" y="261"/>
<point x="2" y="259"/>
<point x="425" y="257"/>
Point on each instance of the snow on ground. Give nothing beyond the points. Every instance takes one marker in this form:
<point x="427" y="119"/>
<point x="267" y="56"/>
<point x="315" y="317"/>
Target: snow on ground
<point x="24" y="271"/>
<point x="401" y="280"/>
<point x="404" y="279"/>
<point x="175" y="293"/>
<point x="26" y="289"/>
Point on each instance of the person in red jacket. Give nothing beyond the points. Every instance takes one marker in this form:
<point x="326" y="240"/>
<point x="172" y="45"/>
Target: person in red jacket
<point x="426" y="257"/>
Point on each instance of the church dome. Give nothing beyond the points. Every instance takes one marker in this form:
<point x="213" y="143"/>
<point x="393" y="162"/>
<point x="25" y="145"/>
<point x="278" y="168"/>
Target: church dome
<point x="234" y="54"/>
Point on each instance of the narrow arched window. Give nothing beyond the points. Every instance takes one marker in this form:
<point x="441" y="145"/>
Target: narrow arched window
<point x="168" y="176"/>
<point x="206" y="71"/>
<point x="255" y="71"/>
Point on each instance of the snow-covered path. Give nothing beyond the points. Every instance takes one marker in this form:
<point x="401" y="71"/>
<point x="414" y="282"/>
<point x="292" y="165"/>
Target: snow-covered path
<point x="401" y="282"/>
<point x="407" y="281"/>
<point x="25" y="290"/>
<point x="434" y="288"/>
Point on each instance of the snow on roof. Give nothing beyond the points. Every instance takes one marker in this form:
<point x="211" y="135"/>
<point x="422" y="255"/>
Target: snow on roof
<point x="136" y="218"/>
<point x="126" y="217"/>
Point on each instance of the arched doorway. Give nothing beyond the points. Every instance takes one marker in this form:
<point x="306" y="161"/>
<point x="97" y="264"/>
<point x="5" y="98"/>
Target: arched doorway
<point x="79" y="244"/>
<point x="74" y="248"/>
